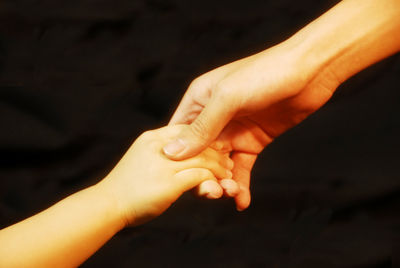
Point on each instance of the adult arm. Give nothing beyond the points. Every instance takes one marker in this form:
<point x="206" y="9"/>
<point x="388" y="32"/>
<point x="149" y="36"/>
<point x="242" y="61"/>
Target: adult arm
<point x="253" y="100"/>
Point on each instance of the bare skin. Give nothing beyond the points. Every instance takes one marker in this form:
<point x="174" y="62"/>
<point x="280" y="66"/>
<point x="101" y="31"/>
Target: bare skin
<point x="243" y="106"/>
<point x="142" y="186"/>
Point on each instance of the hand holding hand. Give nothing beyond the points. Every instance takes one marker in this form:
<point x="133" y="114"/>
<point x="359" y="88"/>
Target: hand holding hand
<point x="246" y="104"/>
<point x="256" y="99"/>
<point x="145" y="182"/>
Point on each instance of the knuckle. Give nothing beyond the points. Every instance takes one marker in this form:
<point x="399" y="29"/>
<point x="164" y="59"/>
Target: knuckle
<point x="199" y="129"/>
<point x="197" y="82"/>
<point x="147" y="135"/>
<point x="226" y="94"/>
<point x="221" y="87"/>
<point x="223" y="90"/>
<point x="204" y="173"/>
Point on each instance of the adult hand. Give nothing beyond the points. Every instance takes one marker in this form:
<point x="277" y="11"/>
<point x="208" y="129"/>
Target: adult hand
<point x="252" y="101"/>
<point x="246" y="104"/>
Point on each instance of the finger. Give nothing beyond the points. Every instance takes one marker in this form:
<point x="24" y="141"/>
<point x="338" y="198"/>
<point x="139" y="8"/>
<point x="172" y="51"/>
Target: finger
<point x="220" y="164"/>
<point x="230" y="187"/>
<point x="214" y="190"/>
<point x="189" y="178"/>
<point x="241" y="173"/>
<point x="222" y="158"/>
<point x="198" y="95"/>
<point x="186" y="111"/>
<point x="221" y="145"/>
<point x="192" y="103"/>
<point x="204" y="129"/>
<point x="209" y="189"/>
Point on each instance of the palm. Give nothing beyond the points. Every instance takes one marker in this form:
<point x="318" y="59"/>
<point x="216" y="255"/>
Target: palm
<point x="264" y="105"/>
<point x="245" y="137"/>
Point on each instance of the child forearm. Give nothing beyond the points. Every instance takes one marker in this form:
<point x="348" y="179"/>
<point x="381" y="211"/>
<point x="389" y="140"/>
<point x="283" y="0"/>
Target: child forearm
<point x="140" y="187"/>
<point x="348" y="38"/>
<point x="64" y="235"/>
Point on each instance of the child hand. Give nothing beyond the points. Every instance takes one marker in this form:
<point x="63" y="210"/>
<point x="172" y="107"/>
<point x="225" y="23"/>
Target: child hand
<point x="145" y="182"/>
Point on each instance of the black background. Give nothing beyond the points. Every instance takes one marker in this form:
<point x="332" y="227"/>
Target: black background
<point x="80" y="80"/>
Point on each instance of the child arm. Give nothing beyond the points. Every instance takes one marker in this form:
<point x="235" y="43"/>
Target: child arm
<point x="142" y="186"/>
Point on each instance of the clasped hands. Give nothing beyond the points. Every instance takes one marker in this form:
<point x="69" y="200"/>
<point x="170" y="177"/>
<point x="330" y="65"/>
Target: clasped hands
<point x="242" y="107"/>
<point x="225" y="119"/>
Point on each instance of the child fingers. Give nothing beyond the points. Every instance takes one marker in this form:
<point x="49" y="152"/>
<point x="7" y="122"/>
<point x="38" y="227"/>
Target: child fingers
<point x="220" y="164"/>
<point x="213" y="155"/>
<point x="221" y="146"/>
<point x="214" y="190"/>
<point x="224" y="159"/>
<point x="214" y="166"/>
<point x="189" y="178"/>
<point x="209" y="189"/>
<point x="230" y="187"/>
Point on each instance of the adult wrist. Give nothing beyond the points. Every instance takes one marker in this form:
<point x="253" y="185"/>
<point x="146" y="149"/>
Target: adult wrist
<point x="348" y="38"/>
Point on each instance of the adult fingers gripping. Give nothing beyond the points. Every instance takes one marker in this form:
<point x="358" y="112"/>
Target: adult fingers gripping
<point x="203" y="130"/>
<point x="214" y="190"/>
<point x="186" y="111"/>
<point x="193" y="102"/>
<point x="241" y="174"/>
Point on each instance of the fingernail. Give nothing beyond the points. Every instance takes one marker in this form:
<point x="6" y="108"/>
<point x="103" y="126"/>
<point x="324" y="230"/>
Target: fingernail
<point x="214" y="192"/>
<point x="230" y="187"/>
<point x="174" y="148"/>
<point x="212" y="195"/>
<point x="229" y="174"/>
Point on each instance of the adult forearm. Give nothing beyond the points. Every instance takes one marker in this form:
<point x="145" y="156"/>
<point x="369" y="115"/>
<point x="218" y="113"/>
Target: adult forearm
<point x="64" y="235"/>
<point x="349" y="37"/>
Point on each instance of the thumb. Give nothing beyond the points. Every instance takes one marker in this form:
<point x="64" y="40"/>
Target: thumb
<point x="202" y="131"/>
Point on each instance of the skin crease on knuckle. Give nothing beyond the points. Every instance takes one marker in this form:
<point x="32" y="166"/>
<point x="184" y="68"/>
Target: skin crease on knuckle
<point x="199" y="130"/>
